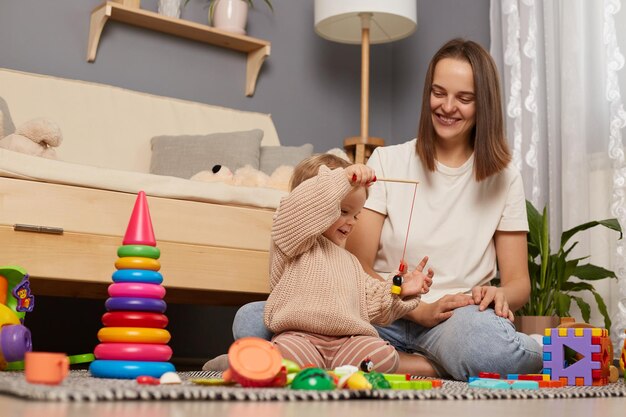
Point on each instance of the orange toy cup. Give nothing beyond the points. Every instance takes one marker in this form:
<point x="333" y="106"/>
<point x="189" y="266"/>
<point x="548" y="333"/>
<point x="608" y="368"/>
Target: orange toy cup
<point x="45" y="367"/>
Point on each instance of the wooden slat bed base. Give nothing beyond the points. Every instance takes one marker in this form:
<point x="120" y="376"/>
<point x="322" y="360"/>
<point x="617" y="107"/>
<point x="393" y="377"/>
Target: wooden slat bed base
<point x="102" y="212"/>
<point x="75" y="264"/>
<point x="229" y="267"/>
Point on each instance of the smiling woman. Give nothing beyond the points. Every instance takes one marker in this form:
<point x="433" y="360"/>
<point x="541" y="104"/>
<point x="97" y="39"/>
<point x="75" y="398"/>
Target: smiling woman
<point x="469" y="216"/>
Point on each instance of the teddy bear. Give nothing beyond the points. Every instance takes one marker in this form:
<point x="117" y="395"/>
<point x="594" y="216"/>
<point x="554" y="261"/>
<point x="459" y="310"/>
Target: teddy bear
<point x="247" y="176"/>
<point x="36" y="137"/>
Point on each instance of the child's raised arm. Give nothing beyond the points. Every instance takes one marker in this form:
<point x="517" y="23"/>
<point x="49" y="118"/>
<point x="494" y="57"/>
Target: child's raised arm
<point x="309" y="210"/>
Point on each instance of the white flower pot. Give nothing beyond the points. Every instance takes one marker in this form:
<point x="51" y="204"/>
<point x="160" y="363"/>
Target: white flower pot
<point x="231" y="16"/>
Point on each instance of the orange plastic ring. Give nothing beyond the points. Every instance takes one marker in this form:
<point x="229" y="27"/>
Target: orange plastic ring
<point x="133" y="335"/>
<point x="134" y="262"/>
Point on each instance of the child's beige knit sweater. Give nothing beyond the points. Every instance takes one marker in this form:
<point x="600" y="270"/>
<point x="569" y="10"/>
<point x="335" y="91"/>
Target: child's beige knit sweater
<point x="317" y="286"/>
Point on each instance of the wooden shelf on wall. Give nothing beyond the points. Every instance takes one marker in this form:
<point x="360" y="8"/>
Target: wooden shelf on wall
<point x="256" y="49"/>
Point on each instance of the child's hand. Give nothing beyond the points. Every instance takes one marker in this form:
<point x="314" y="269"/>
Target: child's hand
<point x="359" y="174"/>
<point x="416" y="282"/>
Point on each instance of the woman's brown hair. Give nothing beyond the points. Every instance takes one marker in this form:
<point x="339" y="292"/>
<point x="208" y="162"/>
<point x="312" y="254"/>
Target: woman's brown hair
<point x="491" y="150"/>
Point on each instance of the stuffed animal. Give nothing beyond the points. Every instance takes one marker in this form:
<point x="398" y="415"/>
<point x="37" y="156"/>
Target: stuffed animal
<point x="248" y="176"/>
<point x="217" y="173"/>
<point x="36" y="137"/>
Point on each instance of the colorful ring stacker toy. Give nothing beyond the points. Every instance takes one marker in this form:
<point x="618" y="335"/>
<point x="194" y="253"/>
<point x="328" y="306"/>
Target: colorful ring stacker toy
<point x="133" y="335"/>
<point x="138" y="275"/>
<point x="135" y="304"/>
<point x="134" y="319"/>
<point x="133" y="352"/>
<point x="129" y="369"/>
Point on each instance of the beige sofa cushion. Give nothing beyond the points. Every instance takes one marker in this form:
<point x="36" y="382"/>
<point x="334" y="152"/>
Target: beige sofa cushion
<point x="185" y="156"/>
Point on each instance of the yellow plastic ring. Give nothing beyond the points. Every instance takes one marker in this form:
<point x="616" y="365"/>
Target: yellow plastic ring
<point x="134" y="262"/>
<point x="133" y="335"/>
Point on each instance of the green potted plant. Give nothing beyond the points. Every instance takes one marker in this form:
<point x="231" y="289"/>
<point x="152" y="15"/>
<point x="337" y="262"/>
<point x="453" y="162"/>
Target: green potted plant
<point x="552" y="289"/>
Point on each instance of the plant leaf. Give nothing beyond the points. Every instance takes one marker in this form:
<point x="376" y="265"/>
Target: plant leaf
<point x="591" y="272"/>
<point x="533" y="250"/>
<point x="212" y="10"/>
<point x="544" y="246"/>
<point x="534" y="225"/>
<point x="585" y="310"/>
<point x="612" y="224"/>
<point x="577" y="286"/>
<point x="603" y="310"/>
<point x="562" y="304"/>
<point x="567" y="251"/>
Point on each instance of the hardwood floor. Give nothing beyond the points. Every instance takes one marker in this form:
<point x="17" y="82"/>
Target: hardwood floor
<point x="12" y="407"/>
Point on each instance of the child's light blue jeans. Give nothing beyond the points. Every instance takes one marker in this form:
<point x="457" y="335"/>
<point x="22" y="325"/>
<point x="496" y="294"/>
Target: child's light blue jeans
<point x="469" y="342"/>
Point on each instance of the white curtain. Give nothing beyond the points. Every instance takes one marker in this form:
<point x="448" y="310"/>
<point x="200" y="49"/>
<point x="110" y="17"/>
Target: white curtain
<point x="561" y="64"/>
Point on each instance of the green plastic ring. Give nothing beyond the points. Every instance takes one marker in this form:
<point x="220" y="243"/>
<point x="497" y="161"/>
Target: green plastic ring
<point x="15" y="366"/>
<point x="84" y="358"/>
<point x="142" y="251"/>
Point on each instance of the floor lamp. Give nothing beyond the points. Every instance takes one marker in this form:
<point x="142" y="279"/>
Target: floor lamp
<point x="364" y="22"/>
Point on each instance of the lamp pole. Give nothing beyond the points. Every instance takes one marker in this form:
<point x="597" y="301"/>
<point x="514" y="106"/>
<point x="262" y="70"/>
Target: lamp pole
<point x="365" y="74"/>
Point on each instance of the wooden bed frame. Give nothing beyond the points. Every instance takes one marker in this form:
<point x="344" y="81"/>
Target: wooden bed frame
<point x="210" y="253"/>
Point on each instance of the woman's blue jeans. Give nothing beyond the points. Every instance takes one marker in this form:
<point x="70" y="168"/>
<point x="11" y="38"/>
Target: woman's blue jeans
<point x="469" y="342"/>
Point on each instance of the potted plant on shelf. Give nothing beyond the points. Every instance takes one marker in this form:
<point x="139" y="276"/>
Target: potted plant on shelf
<point x="231" y="15"/>
<point x="552" y="289"/>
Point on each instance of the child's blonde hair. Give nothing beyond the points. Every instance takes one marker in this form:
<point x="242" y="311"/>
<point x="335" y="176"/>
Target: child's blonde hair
<point x="309" y="167"/>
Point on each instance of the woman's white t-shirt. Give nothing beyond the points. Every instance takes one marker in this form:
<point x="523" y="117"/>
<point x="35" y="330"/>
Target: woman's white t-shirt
<point x="454" y="218"/>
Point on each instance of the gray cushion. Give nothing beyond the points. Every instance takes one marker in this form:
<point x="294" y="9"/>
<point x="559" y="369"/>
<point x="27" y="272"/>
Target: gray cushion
<point x="186" y="155"/>
<point x="274" y="156"/>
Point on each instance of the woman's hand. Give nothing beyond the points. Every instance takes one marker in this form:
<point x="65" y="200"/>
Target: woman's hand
<point x="416" y="282"/>
<point x="430" y="315"/>
<point x="487" y="295"/>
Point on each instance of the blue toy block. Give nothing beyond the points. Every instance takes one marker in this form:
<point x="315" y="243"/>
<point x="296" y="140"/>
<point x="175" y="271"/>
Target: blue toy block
<point x="490" y="383"/>
<point x="525" y="385"/>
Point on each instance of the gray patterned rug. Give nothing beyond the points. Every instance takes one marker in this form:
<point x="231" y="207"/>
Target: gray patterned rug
<point x="80" y="386"/>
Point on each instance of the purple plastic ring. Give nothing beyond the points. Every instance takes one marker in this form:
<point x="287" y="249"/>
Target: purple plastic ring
<point x="15" y="341"/>
<point x="135" y="304"/>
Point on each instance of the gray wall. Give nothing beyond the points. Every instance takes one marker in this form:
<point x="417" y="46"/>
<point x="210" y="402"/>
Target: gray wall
<point x="310" y="86"/>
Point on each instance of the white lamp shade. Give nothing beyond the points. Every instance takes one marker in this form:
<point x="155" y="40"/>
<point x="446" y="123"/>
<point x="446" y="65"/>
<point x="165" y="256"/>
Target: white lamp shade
<point x="339" y="20"/>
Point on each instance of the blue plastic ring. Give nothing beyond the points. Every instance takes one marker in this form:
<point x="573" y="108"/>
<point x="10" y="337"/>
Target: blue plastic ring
<point x="137" y="275"/>
<point x="135" y="304"/>
<point x="129" y="369"/>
